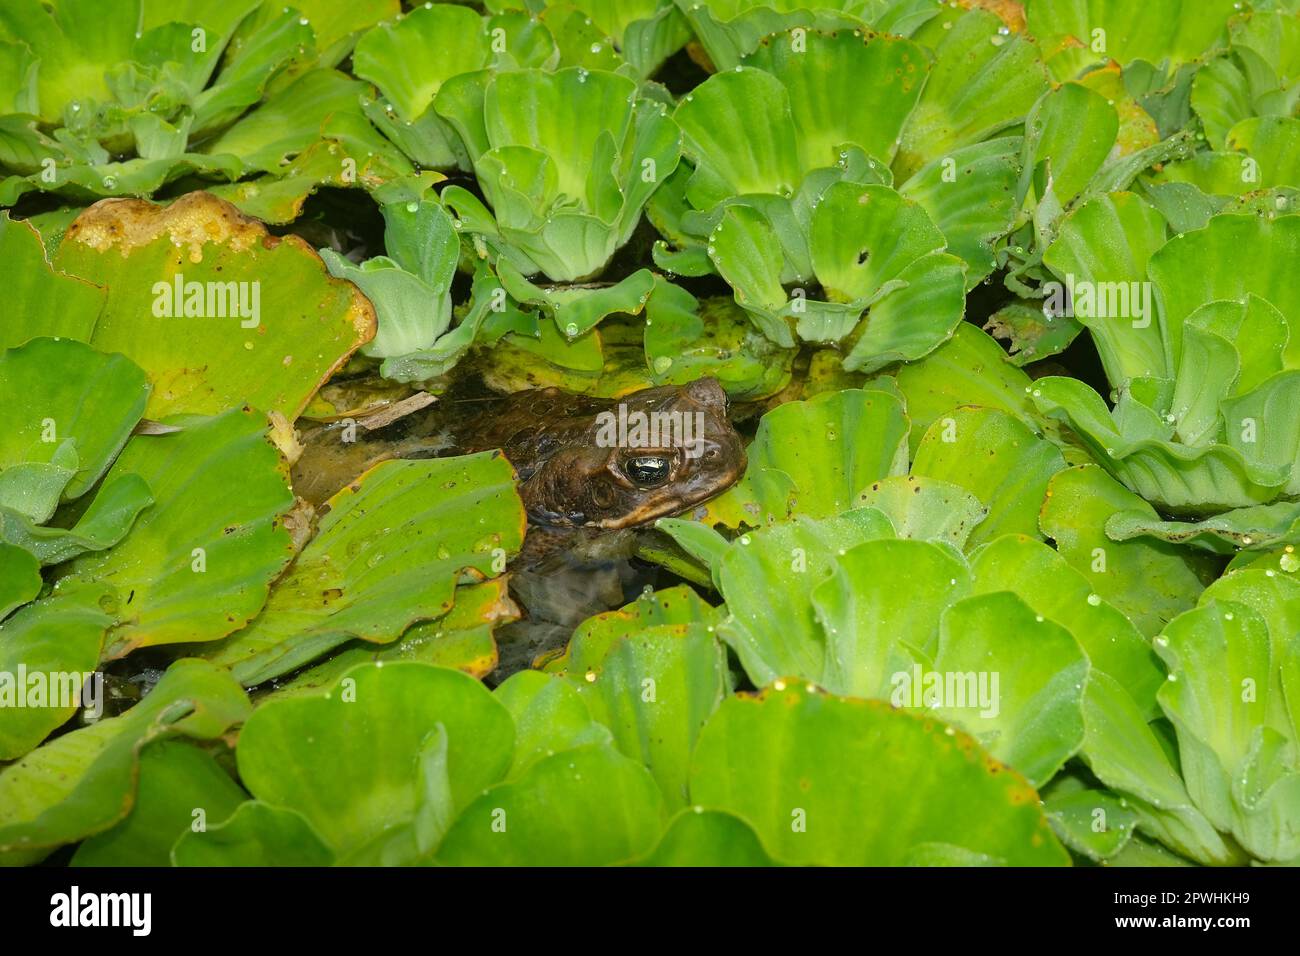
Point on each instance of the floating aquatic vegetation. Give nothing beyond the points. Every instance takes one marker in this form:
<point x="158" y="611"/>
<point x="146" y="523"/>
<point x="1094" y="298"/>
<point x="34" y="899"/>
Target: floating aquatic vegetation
<point x="1026" y="596"/>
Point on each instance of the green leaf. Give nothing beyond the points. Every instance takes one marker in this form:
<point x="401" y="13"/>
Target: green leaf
<point x="997" y="459"/>
<point x="1233" y="256"/>
<point x="700" y="542"/>
<point x="461" y="639"/>
<point x="289" y="120"/>
<point x="646" y="31"/>
<point x="1149" y="581"/>
<point x="968" y="369"/>
<point x="686" y="338"/>
<point x="728" y="30"/>
<point x="777" y="570"/>
<point x="336" y="22"/>
<point x="50" y="648"/>
<point x="1047" y="583"/>
<point x="1136" y="444"/>
<point x="550" y="715"/>
<point x="180" y="788"/>
<point x="1174" y="30"/>
<point x="1220" y="97"/>
<point x="1110" y="240"/>
<point x="971" y="196"/>
<point x="199" y="563"/>
<point x="20" y="578"/>
<point x="844" y="87"/>
<point x="569" y="192"/>
<point x="983" y="81"/>
<point x="925" y="509"/>
<point x="411" y="57"/>
<point x="860" y="437"/>
<point x="1069" y="134"/>
<point x="82" y="782"/>
<point x="103" y="524"/>
<point x="411" y="314"/>
<point x="256" y="834"/>
<point x="1224" y="674"/>
<point x="75" y="43"/>
<point x="305" y="753"/>
<point x="388" y="553"/>
<point x="872" y="627"/>
<point x="739" y="151"/>
<point x="411" y="291"/>
<point x="30" y="490"/>
<point x="876" y="250"/>
<point x="593" y="638"/>
<point x="577" y="310"/>
<point x="1095" y="823"/>
<point x="1018" y="679"/>
<point x="224" y="356"/>
<point x="1142" y="852"/>
<point x="1244" y="529"/>
<point x="654" y="690"/>
<point x="1125" y="754"/>
<point x="700" y="837"/>
<point x="840" y="781"/>
<point x="68" y="392"/>
<point x="19" y="70"/>
<point x="350" y="154"/>
<point x="746" y="252"/>
<point x="42" y="300"/>
<point x="585" y="807"/>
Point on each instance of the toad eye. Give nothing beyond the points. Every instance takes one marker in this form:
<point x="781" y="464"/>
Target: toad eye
<point x="647" y="471"/>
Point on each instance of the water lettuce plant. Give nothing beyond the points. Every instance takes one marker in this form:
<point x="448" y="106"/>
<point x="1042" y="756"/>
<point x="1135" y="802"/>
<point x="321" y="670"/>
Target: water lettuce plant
<point x="105" y="103"/>
<point x="1198" y="428"/>
<point x="999" y="297"/>
<point x="567" y="161"/>
<point x="410" y="58"/>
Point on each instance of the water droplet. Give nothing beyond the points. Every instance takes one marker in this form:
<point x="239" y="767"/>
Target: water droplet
<point x="1094" y="599"/>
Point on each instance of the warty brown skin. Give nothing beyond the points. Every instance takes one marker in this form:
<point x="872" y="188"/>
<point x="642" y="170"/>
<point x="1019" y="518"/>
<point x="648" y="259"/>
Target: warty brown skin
<point x="570" y="477"/>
